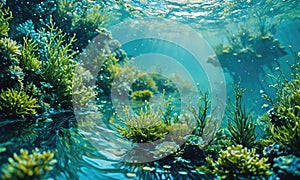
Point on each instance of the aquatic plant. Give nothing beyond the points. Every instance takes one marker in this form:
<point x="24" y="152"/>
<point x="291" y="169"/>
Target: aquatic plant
<point x="146" y="126"/>
<point x="178" y="132"/>
<point x="169" y="116"/>
<point x="11" y="75"/>
<point x="81" y="17"/>
<point x="284" y="121"/>
<point x="239" y="162"/>
<point x="58" y="67"/>
<point x="200" y="114"/>
<point x="83" y="93"/>
<point x="248" y="50"/>
<point x="16" y="103"/>
<point x="144" y="82"/>
<point x="142" y="95"/>
<point x="28" y="166"/>
<point x="287" y="166"/>
<point x="5" y="16"/>
<point x="164" y="149"/>
<point x="30" y="60"/>
<point x="240" y="123"/>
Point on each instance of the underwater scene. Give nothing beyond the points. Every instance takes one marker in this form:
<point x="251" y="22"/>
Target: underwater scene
<point x="149" y="89"/>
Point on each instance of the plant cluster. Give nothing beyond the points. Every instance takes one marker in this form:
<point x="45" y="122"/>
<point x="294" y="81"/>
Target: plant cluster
<point x="239" y="162"/>
<point x="147" y="126"/>
<point x="28" y="166"/>
<point x="91" y="15"/>
<point x="247" y="52"/>
<point x="240" y="123"/>
<point x="16" y="104"/>
<point x="284" y="121"/>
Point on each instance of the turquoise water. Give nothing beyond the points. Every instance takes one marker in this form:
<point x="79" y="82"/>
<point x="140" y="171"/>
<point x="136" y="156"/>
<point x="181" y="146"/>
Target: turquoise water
<point x="88" y="145"/>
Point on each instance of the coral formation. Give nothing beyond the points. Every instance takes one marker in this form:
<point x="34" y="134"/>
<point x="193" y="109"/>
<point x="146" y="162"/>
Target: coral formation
<point x="28" y="166"/>
<point x="239" y="162"/>
<point x="287" y="166"/>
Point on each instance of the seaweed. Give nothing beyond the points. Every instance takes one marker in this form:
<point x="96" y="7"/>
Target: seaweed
<point x="16" y="104"/>
<point x="28" y="166"/>
<point x="142" y="95"/>
<point x="58" y="67"/>
<point x="240" y="124"/>
<point x="146" y="126"/>
<point x="5" y="16"/>
<point x="237" y="162"/>
<point x="81" y="17"/>
<point x="201" y="113"/>
<point x="284" y="123"/>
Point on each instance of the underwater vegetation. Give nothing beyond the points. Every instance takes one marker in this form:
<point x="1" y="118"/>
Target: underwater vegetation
<point x="240" y="124"/>
<point x="16" y="104"/>
<point x="146" y="126"/>
<point x="284" y="118"/>
<point x="248" y="50"/>
<point x="239" y="162"/>
<point x="28" y="166"/>
<point x="5" y="16"/>
<point x="44" y="68"/>
<point x="79" y="14"/>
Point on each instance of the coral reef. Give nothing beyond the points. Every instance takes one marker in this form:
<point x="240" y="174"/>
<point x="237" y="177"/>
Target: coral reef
<point x="238" y="162"/>
<point x="287" y="167"/>
<point x="28" y="166"/>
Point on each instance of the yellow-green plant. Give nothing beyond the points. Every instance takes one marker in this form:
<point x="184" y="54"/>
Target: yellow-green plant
<point x="28" y="166"/>
<point x="240" y="123"/>
<point x="58" y="66"/>
<point x="142" y="95"/>
<point x="82" y="17"/>
<point x="144" y="82"/>
<point x="82" y="92"/>
<point x="239" y="162"/>
<point x="285" y="127"/>
<point x="200" y="113"/>
<point x="30" y="60"/>
<point x="5" y="16"/>
<point x="11" y="46"/>
<point x="16" y="103"/>
<point x="146" y="126"/>
<point x="11" y="75"/>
